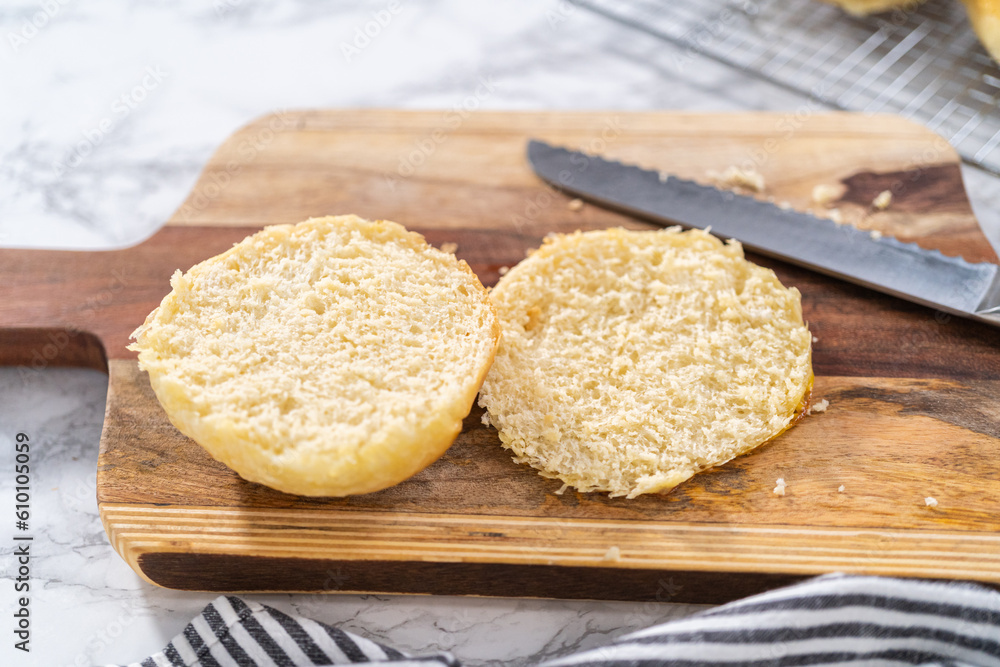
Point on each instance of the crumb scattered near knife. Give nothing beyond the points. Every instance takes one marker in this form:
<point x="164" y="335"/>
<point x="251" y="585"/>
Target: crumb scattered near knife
<point x="575" y="204"/>
<point x="882" y="200"/>
<point x="930" y="502"/>
<point x="841" y="488"/>
<point x="449" y="247"/>
<point x="825" y="194"/>
<point x="819" y="406"/>
<point x="613" y="554"/>
<point x="735" y="178"/>
<point x="779" y="488"/>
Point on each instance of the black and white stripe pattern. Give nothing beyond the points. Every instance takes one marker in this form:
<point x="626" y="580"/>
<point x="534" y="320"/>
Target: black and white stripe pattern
<point x="833" y="620"/>
<point x="233" y="632"/>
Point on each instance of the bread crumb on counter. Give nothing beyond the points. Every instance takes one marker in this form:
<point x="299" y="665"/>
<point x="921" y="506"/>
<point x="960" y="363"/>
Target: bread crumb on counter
<point x="575" y="204"/>
<point x="820" y="406"/>
<point x="449" y="247"/>
<point x="930" y="502"/>
<point x="734" y="177"/>
<point x="613" y="554"/>
<point x="503" y="270"/>
<point x="485" y="419"/>
<point x="815" y="339"/>
<point x="824" y="194"/>
<point x="779" y="488"/>
<point x="882" y="200"/>
<point x="841" y="488"/>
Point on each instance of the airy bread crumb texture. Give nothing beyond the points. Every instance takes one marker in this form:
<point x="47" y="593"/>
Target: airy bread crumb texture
<point x="333" y="357"/>
<point x="632" y="360"/>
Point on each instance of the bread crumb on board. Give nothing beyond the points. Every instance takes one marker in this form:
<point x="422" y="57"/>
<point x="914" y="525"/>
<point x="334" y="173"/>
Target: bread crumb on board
<point x="882" y="200"/>
<point x="449" y="247"/>
<point x="841" y="488"/>
<point x="575" y="204"/>
<point x="503" y="270"/>
<point x="815" y="339"/>
<point x="613" y="554"/>
<point x="819" y="406"/>
<point x="779" y="488"/>
<point x="734" y="177"/>
<point x="824" y="194"/>
<point x="930" y="502"/>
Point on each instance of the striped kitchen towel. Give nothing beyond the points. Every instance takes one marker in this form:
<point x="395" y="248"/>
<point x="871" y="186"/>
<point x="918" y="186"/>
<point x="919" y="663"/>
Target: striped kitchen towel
<point x="831" y="620"/>
<point x="233" y="632"/>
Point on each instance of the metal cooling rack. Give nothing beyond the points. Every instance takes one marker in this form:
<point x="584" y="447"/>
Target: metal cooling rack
<point x="925" y="64"/>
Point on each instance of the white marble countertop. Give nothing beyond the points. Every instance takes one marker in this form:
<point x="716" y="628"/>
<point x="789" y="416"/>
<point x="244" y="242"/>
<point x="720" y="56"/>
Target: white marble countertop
<point x="110" y="110"/>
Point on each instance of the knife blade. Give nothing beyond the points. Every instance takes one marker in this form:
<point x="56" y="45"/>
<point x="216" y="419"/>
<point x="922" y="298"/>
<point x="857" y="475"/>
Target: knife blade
<point x="885" y="264"/>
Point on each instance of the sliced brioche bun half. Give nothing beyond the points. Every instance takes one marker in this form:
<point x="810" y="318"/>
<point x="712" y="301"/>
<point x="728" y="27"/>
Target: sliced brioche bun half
<point x="632" y="360"/>
<point x="985" y="18"/>
<point x="866" y="7"/>
<point x="333" y="357"/>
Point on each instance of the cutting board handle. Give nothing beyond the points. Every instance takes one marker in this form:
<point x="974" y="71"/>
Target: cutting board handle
<point x="34" y="349"/>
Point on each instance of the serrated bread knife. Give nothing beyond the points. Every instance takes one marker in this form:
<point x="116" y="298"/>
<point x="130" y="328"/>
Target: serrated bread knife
<point x="904" y="270"/>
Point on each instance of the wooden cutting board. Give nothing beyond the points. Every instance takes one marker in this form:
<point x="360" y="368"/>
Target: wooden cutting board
<point x="914" y="395"/>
